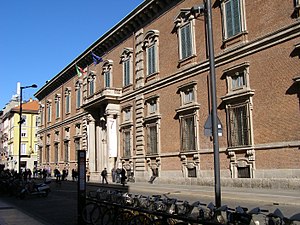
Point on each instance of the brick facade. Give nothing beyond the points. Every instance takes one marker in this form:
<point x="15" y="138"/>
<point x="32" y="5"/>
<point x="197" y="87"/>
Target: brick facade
<point x="160" y="117"/>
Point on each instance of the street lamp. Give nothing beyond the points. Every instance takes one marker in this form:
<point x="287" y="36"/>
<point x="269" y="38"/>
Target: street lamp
<point x="22" y="121"/>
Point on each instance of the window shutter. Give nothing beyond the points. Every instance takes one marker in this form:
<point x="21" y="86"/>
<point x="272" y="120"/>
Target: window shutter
<point x="236" y="17"/>
<point x="186" y="41"/>
<point x="228" y="12"/>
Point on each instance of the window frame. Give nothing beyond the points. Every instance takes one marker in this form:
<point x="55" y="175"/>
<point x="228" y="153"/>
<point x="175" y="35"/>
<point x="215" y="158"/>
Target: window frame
<point x="57" y="101"/>
<point x="186" y="137"/>
<point x="186" y="18"/>
<point x="127" y="65"/>
<point x="151" y="41"/>
<point x="68" y="100"/>
<point x="78" y="93"/>
<point x="49" y="111"/>
<point x="235" y="128"/>
<point x="107" y="73"/>
<point x="150" y="137"/>
<point x="225" y="19"/>
<point x="91" y="84"/>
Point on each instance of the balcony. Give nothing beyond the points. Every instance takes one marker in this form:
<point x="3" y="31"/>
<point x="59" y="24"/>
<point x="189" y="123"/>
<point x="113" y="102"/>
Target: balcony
<point x="104" y="96"/>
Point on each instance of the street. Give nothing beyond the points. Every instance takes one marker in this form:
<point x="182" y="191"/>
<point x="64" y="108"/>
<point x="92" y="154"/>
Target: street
<point x="60" y="207"/>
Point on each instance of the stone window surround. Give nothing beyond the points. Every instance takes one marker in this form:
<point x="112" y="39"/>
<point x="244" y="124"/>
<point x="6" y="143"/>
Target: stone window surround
<point x="184" y="17"/>
<point x="151" y="38"/>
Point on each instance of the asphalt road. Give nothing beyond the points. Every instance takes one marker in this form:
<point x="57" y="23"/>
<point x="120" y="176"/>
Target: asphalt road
<point x="60" y="207"/>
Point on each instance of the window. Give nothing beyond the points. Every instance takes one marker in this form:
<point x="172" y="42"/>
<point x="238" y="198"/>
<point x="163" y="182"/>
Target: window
<point x="49" y="111"/>
<point x="56" y="153"/>
<point x="57" y="105"/>
<point x="185" y="41"/>
<point x="126" y="60"/>
<point x="234" y="18"/>
<point x="24" y="118"/>
<point x="127" y="114"/>
<point x="192" y="172"/>
<point x="152" y="139"/>
<point x="24" y="133"/>
<point x="126" y="72"/>
<point x="91" y="84"/>
<point x="237" y="78"/>
<point x="107" y="72"/>
<point x="68" y="100"/>
<point x="184" y="24"/>
<point x="41" y="114"/>
<point x="239" y="125"/>
<point x="151" y="46"/>
<point x="47" y="154"/>
<point x="23" y="149"/>
<point x="66" y="151"/>
<point x="78" y="92"/>
<point x="243" y="172"/>
<point x="127" y="143"/>
<point x="188" y="134"/>
<point x="187" y="93"/>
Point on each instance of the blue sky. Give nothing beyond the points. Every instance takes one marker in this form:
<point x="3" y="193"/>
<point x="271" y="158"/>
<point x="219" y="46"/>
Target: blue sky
<point x="40" y="38"/>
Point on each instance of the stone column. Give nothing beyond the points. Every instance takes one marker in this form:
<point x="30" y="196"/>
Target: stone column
<point x="92" y="144"/>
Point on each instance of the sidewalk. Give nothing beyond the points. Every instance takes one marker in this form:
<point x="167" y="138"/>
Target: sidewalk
<point x="9" y="215"/>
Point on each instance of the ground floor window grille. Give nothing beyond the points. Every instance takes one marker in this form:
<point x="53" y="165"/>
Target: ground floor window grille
<point x="188" y="134"/>
<point x="243" y="172"/>
<point x="239" y="125"/>
<point x="66" y="158"/>
<point x="192" y="172"/>
<point x="56" y="153"/>
<point x="47" y="156"/>
<point x="127" y="145"/>
<point x="152" y="139"/>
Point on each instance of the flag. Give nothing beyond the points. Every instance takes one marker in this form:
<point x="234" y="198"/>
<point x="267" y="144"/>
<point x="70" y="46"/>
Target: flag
<point x="96" y="59"/>
<point x="79" y="71"/>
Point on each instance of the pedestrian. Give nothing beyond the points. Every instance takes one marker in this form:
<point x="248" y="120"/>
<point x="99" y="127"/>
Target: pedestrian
<point x="104" y="176"/>
<point x="154" y="175"/>
<point x="123" y="177"/>
<point x="118" y="175"/>
<point x="113" y="174"/>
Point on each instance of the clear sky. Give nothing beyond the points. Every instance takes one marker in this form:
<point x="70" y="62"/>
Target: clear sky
<point x="39" y="38"/>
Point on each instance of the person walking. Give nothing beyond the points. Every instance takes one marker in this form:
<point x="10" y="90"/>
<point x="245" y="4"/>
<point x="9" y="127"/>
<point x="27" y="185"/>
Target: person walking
<point x="154" y="175"/>
<point x="123" y="177"/>
<point x="104" y="176"/>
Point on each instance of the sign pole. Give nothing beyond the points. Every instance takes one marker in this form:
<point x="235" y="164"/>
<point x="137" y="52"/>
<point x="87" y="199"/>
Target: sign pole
<point x="213" y="104"/>
<point x="81" y="188"/>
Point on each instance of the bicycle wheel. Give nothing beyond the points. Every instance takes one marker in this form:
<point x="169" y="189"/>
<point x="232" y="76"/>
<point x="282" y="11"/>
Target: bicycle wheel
<point x="96" y="215"/>
<point x="140" y="219"/>
<point x="109" y="216"/>
<point x="124" y="218"/>
<point x="87" y="211"/>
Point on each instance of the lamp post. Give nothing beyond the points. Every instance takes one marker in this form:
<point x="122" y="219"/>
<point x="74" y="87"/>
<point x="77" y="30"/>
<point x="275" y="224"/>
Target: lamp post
<point x="22" y="121"/>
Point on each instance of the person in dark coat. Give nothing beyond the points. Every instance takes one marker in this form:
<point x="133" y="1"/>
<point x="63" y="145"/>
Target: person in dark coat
<point x="123" y="177"/>
<point x="104" y="176"/>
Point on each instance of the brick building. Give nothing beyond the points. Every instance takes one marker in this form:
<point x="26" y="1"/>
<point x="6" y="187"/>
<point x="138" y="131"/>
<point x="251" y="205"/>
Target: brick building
<point x="146" y="104"/>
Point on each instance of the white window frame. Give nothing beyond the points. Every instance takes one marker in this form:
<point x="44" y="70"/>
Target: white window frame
<point x="68" y="99"/>
<point x="151" y="45"/>
<point x="127" y="62"/>
<point x="23" y="149"/>
<point x="91" y="84"/>
<point x="236" y="71"/>
<point x="78" y="92"/>
<point x="107" y="73"/>
<point x="184" y="19"/>
<point x="57" y="106"/>
<point x="49" y="111"/>
<point x="242" y="19"/>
